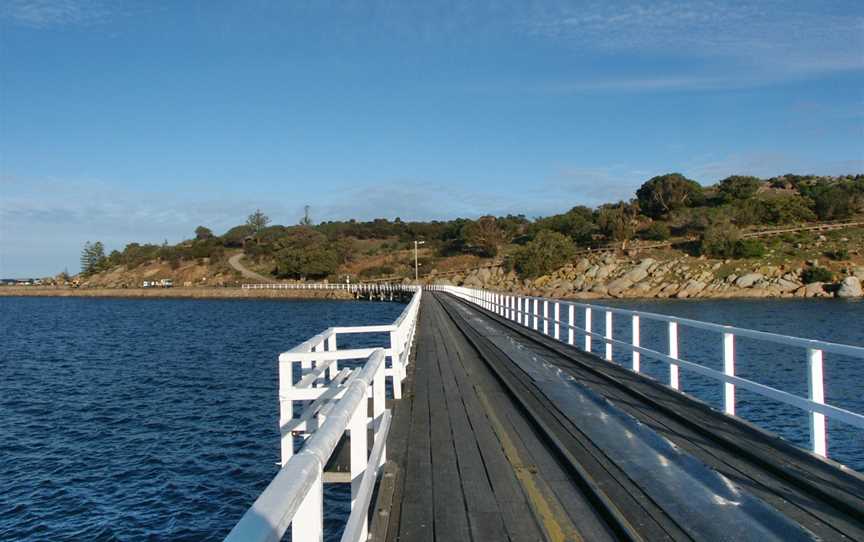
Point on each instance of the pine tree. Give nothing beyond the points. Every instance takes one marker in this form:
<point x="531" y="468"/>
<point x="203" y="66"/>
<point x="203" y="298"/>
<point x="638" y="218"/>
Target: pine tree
<point x="257" y="221"/>
<point x="85" y="258"/>
<point x="92" y="255"/>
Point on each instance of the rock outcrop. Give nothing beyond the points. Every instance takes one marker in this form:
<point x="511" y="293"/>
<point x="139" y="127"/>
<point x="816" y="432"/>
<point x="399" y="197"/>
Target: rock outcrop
<point x="850" y="287"/>
<point x="680" y="277"/>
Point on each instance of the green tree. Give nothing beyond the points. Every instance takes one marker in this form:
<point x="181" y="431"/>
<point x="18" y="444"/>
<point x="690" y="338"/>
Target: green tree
<point x="665" y="193"/>
<point x="237" y="235"/>
<point x="547" y="252"/>
<point x="202" y="233"/>
<point x="577" y="223"/>
<point x="92" y="257"/>
<point x="720" y="241"/>
<point x="738" y="187"/>
<point x="85" y="258"/>
<point x="657" y="231"/>
<point x="304" y="253"/>
<point x="483" y="236"/>
<point x="618" y="221"/>
<point x="839" y="201"/>
<point x="257" y="221"/>
<point x="785" y="210"/>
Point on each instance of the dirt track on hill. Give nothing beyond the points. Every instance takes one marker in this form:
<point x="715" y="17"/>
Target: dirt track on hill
<point x="234" y="261"/>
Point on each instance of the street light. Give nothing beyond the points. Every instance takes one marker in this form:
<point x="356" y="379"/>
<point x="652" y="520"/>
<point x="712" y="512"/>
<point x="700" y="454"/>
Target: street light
<point x="416" y="265"/>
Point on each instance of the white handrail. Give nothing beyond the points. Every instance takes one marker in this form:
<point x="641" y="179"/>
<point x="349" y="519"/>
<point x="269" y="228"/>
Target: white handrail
<point x="357" y="287"/>
<point x="525" y="311"/>
<point x="338" y="404"/>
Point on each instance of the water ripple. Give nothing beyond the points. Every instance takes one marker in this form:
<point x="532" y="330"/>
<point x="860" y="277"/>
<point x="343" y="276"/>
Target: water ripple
<point x="147" y="420"/>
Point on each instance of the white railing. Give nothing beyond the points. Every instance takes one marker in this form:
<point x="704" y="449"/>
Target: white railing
<point x="336" y="401"/>
<point x="358" y="287"/>
<point x="534" y="312"/>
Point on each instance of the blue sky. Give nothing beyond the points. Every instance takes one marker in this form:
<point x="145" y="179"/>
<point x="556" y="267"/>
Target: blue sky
<point x="128" y="121"/>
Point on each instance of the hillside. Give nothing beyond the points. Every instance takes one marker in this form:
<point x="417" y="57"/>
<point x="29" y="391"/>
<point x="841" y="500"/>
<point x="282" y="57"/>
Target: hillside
<point x="731" y="224"/>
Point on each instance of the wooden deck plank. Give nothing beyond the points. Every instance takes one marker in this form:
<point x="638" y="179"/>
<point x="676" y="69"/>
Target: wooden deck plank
<point x="416" y="519"/>
<point x="484" y="514"/>
<point x="449" y="503"/>
<point x="517" y="515"/>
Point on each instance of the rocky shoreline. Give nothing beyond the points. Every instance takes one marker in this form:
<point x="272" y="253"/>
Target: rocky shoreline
<point x="682" y="277"/>
<point x="594" y="277"/>
<point x="172" y="293"/>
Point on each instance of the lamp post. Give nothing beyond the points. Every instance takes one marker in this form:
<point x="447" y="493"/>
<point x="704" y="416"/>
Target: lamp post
<point x="416" y="265"/>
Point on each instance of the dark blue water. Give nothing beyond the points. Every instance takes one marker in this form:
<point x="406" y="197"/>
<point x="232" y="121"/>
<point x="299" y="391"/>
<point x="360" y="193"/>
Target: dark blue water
<point x="782" y="367"/>
<point x="158" y="419"/>
<point x="147" y="419"/>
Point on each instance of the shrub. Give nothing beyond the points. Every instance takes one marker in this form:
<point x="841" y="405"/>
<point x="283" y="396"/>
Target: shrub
<point x="617" y="221"/>
<point x="785" y="210"/>
<point x="738" y="187"/>
<point x="236" y="235"/>
<point x="483" y="236"/>
<point x="306" y="253"/>
<point x="377" y="271"/>
<point x="724" y="241"/>
<point x="836" y="202"/>
<point x="545" y="253"/>
<point x="816" y="274"/>
<point x="839" y="254"/>
<point x="720" y="241"/>
<point x="577" y="223"/>
<point x="312" y="262"/>
<point x="749" y="248"/>
<point x="657" y="231"/>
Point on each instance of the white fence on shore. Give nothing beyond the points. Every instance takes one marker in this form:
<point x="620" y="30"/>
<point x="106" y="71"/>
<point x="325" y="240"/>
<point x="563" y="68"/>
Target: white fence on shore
<point x="336" y="402"/>
<point x="358" y="287"/>
<point x="534" y="313"/>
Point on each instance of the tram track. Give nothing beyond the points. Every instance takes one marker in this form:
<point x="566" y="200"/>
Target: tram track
<point x="811" y="493"/>
<point x="562" y="445"/>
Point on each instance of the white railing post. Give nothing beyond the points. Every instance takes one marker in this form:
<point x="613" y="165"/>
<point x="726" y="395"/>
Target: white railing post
<point x="308" y="523"/>
<point x="518" y="310"/>
<point x="587" y="329"/>
<point x="331" y="347"/>
<point x="816" y="386"/>
<point x="673" y="353"/>
<point x="571" y="319"/>
<point x="556" y="316"/>
<point x="635" y="341"/>
<point x="306" y="363"/>
<point x="378" y="395"/>
<point x="359" y="449"/>
<point x="396" y="364"/>
<point x="729" y="370"/>
<point x="608" y="336"/>
<point x="379" y="405"/>
<point x="545" y="317"/>
<point x="286" y="409"/>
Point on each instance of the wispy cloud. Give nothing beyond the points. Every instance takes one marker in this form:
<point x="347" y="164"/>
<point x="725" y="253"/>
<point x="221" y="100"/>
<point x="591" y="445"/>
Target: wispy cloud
<point x="785" y="38"/>
<point x="54" y="13"/>
<point x="709" y="169"/>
